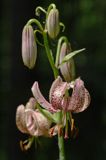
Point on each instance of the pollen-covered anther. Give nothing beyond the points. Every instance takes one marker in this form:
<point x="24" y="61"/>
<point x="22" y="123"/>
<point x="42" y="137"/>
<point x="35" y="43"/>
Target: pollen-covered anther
<point x="53" y="131"/>
<point x="72" y="124"/>
<point x="60" y="130"/>
<point x="66" y="135"/>
<point x="25" y="145"/>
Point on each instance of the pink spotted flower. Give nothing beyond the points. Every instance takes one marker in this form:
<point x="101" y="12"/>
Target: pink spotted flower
<point x="60" y="99"/>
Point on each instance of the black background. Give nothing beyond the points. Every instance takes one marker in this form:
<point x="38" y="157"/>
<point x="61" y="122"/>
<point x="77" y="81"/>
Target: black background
<point x="85" y="27"/>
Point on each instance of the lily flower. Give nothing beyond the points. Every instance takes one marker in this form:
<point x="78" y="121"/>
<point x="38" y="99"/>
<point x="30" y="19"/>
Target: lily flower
<point x="30" y="121"/>
<point x="59" y="98"/>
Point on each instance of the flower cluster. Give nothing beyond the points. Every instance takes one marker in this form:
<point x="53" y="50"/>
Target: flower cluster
<point x="67" y="94"/>
<point x="35" y="122"/>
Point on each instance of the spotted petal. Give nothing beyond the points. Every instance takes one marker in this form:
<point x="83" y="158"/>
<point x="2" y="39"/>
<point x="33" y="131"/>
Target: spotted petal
<point x="80" y="98"/>
<point x="57" y="92"/>
<point x="40" y="99"/>
<point x="55" y="84"/>
<point x="86" y="102"/>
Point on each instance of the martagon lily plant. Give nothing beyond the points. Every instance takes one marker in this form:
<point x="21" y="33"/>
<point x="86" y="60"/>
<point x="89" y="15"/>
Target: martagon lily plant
<point x="67" y="94"/>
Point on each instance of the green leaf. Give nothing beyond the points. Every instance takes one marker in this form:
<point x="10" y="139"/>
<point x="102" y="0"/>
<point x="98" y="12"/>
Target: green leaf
<point x="70" y="55"/>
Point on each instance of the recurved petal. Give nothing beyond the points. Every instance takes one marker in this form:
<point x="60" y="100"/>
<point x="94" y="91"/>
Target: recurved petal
<point x="86" y="102"/>
<point x="36" y="123"/>
<point x="31" y="104"/>
<point x="54" y="85"/>
<point x="20" y="119"/>
<point x="57" y="92"/>
<point x="31" y="122"/>
<point x="40" y="99"/>
<point x="77" y="102"/>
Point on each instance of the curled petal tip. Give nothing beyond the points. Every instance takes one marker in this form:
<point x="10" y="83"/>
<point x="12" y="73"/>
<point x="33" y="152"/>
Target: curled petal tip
<point x="40" y="99"/>
<point x="31" y="104"/>
<point x="87" y="100"/>
<point x="20" y="119"/>
<point x="31" y="121"/>
<point x="36" y="123"/>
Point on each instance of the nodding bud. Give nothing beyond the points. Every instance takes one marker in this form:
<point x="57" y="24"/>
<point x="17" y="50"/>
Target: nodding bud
<point x="52" y="23"/>
<point x="29" y="47"/>
<point x="67" y="69"/>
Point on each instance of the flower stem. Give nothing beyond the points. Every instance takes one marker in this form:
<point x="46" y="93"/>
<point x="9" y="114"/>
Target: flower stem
<point x="61" y="140"/>
<point x="61" y="147"/>
<point x="56" y="73"/>
<point x="35" y="21"/>
<point x="49" y="55"/>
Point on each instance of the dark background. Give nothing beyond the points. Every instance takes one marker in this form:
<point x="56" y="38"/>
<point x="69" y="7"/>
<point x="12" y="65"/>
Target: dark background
<point x="85" y="27"/>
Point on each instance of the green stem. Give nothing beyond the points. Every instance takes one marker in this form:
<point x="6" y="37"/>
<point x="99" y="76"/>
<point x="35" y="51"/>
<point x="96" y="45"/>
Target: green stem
<point x="33" y="20"/>
<point x="39" y="9"/>
<point x="35" y="31"/>
<point x="56" y="73"/>
<point x="51" y="6"/>
<point x="48" y="52"/>
<point x="61" y="147"/>
<point x="61" y="140"/>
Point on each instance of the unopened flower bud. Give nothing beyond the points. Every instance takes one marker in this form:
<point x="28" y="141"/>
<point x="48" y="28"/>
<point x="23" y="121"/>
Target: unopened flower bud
<point x="29" y="47"/>
<point x="67" y="69"/>
<point x="53" y="26"/>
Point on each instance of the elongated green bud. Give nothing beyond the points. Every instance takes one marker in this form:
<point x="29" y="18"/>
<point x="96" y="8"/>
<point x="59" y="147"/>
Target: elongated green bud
<point x="29" y="47"/>
<point x="67" y="69"/>
<point x="52" y="23"/>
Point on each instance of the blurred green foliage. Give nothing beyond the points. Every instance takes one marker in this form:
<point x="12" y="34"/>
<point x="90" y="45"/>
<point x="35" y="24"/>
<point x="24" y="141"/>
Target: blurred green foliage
<point x="86" y="28"/>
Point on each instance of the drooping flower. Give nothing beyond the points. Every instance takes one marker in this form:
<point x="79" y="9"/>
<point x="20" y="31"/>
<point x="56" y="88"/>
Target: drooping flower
<point x="29" y="47"/>
<point x="52" y="23"/>
<point x="67" y="69"/>
<point x="30" y="121"/>
<point x="60" y="99"/>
